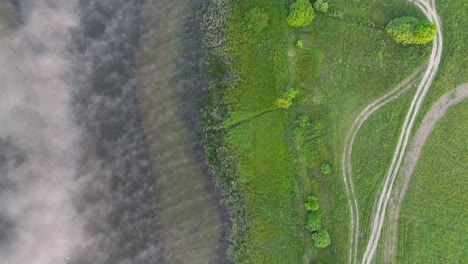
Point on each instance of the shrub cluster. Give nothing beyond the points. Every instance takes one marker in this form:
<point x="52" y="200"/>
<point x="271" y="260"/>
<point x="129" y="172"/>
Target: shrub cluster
<point x="309" y="141"/>
<point x="320" y="235"/>
<point x="321" y="6"/>
<point x="411" y="30"/>
<point x="285" y="101"/>
<point x="325" y="168"/>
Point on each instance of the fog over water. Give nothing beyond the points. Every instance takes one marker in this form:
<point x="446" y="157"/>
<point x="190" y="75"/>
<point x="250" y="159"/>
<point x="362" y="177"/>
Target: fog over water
<point x="76" y="185"/>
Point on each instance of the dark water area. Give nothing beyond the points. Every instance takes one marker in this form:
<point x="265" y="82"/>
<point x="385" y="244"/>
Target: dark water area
<point x="107" y="107"/>
<point x="99" y="160"/>
<point x="192" y="222"/>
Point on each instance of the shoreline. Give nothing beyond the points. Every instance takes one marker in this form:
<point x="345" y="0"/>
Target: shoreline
<point x="193" y="222"/>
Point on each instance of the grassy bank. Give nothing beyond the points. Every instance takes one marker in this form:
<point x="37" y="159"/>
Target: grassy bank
<point x="188" y="220"/>
<point x="433" y="221"/>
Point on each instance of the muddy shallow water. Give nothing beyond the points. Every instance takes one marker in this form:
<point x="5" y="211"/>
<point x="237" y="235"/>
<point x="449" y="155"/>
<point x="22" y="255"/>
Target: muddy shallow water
<point x="189" y="214"/>
<point x="97" y="157"/>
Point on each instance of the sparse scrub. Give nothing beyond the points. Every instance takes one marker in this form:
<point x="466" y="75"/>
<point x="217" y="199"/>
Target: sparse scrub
<point x="321" y="6"/>
<point x="325" y="169"/>
<point x="286" y="100"/>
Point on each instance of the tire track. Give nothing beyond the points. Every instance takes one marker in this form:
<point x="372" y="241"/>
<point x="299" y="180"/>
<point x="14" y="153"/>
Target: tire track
<point x="411" y="158"/>
<point x="434" y="61"/>
<point x="346" y="160"/>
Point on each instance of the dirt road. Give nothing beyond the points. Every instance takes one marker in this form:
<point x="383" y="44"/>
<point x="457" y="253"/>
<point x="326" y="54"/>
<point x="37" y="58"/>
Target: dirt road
<point x="428" y="8"/>
<point x="430" y="120"/>
<point x="379" y="212"/>
<point x="346" y="157"/>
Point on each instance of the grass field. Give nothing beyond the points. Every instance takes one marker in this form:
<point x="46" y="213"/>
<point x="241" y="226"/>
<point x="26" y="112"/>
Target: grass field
<point x="347" y="62"/>
<point x="432" y="227"/>
<point x="360" y="63"/>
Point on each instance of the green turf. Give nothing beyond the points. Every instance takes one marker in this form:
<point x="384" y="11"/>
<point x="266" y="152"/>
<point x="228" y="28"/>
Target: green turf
<point x="432" y="226"/>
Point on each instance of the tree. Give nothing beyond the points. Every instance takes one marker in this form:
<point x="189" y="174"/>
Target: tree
<point x="410" y="30"/>
<point x="314" y="221"/>
<point x="321" y="6"/>
<point x="424" y="32"/>
<point x="321" y="238"/>
<point x="312" y="203"/>
<point x="301" y="13"/>
<point x="256" y="20"/>
<point x="325" y="168"/>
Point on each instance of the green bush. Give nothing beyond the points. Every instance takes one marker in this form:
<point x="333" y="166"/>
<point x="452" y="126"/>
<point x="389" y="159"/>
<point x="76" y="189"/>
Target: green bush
<point x="286" y="99"/>
<point x="321" y="238"/>
<point x="301" y="13"/>
<point x="321" y="6"/>
<point x="312" y="203"/>
<point x="337" y="14"/>
<point x="410" y="30"/>
<point x="314" y="222"/>
<point x="325" y="168"/>
<point x="256" y="20"/>
<point x="300" y="44"/>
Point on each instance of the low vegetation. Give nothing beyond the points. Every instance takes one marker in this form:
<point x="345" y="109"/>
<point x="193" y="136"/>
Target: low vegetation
<point x="325" y="169"/>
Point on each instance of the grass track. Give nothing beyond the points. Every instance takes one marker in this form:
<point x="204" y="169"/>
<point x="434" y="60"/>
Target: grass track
<point x="359" y="64"/>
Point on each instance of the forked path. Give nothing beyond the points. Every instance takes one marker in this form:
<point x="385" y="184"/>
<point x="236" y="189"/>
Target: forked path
<point x="411" y="159"/>
<point x="428" y="8"/>
<point x="379" y="212"/>
<point x="346" y="157"/>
